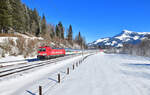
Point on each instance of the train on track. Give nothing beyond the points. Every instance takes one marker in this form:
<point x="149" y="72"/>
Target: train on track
<point x="46" y="52"/>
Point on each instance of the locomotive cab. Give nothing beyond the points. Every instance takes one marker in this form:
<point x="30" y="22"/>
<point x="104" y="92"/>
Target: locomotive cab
<point x="47" y="52"/>
<point x="43" y="52"/>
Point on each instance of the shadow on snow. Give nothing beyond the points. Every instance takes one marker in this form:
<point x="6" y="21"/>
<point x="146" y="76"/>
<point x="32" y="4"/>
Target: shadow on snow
<point x="30" y="92"/>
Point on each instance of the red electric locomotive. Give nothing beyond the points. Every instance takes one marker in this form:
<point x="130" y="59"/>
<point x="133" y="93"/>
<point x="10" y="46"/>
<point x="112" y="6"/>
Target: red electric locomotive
<point x="46" y="52"/>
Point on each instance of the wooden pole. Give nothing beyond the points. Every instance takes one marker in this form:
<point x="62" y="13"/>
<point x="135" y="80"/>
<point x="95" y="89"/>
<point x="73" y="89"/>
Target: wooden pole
<point x="40" y="90"/>
<point x="77" y="64"/>
<point x="68" y="71"/>
<point x="58" y="78"/>
<point x="73" y="66"/>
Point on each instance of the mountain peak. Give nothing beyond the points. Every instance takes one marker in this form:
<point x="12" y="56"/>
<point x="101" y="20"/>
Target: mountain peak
<point x="127" y="31"/>
<point x="126" y="36"/>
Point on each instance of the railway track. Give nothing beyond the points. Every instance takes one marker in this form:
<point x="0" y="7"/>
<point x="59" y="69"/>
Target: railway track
<point x="31" y="66"/>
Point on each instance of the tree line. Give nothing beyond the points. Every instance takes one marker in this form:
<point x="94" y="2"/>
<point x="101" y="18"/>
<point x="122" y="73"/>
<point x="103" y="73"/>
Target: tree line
<point x="140" y="49"/>
<point x="17" y="17"/>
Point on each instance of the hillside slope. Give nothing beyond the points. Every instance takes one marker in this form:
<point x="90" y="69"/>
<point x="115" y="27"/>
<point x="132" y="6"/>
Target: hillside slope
<point x="27" y="45"/>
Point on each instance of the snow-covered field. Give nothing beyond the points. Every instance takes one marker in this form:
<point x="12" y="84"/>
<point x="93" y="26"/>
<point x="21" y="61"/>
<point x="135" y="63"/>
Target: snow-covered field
<point x="99" y="74"/>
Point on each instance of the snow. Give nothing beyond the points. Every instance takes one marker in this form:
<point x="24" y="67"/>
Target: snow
<point x="27" y="37"/>
<point x="3" y="39"/>
<point x="127" y="31"/>
<point x="108" y="44"/>
<point x="143" y="33"/>
<point x="119" y="45"/>
<point x="17" y="85"/>
<point x="126" y="40"/>
<point x="104" y="75"/>
<point x="12" y="60"/>
<point x="99" y="74"/>
<point x="114" y="42"/>
<point x="140" y="33"/>
<point x="126" y="35"/>
<point x="136" y="37"/>
<point x="100" y="40"/>
<point x="123" y="36"/>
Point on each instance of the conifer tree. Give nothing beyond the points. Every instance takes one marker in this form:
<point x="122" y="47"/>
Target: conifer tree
<point x="57" y="31"/>
<point x="35" y="22"/>
<point x="70" y="35"/>
<point x="61" y="30"/>
<point x="43" y="25"/>
<point x="51" y="31"/>
<point x="18" y="17"/>
<point x="5" y="16"/>
<point x="26" y="14"/>
<point x="80" y="40"/>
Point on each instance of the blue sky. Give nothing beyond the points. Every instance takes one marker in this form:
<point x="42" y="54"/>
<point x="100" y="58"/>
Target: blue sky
<point x="96" y="18"/>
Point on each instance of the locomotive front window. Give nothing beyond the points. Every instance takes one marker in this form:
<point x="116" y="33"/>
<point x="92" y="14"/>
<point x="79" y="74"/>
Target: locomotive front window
<point x="42" y="49"/>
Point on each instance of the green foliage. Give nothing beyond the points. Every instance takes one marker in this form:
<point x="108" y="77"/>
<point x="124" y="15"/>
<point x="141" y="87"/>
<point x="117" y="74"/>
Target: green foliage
<point x="52" y="33"/>
<point x="43" y="25"/>
<point x="57" y="31"/>
<point x="16" y="15"/>
<point x="36" y="22"/>
<point x="19" y="18"/>
<point x="70" y="35"/>
<point x="61" y="30"/>
<point x="5" y="16"/>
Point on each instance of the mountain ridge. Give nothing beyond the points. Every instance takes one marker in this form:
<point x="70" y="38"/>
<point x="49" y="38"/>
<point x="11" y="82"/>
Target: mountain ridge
<point x="125" y="37"/>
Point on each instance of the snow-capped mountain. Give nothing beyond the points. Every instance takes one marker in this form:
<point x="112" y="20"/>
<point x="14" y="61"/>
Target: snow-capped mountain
<point x="124" y="37"/>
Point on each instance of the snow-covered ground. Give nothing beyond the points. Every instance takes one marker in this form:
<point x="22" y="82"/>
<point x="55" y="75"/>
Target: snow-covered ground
<point x="3" y="39"/>
<point x="105" y="74"/>
<point x="12" y="60"/>
<point x="23" y="84"/>
<point x="99" y="74"/>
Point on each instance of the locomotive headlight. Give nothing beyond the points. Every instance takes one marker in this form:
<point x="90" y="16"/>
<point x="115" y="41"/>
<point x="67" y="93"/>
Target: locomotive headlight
<point x="39" y="54"/>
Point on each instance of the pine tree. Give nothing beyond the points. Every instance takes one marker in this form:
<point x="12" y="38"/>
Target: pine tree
<point x="61" y="30"/>
<point x="80" y="40"/>
<point x="18" y="17"/>
<point x="52" y="34"/>
<point x="5" y="16"/>
<point x="35" y="22"/>
<point x="43" y="25"/>
<point x="34" y="27"/>
<point x="51" y="31"/>
<point x="57" y="31"/>
<point x="27" y="18"/>
<point x="70" y="35"/>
